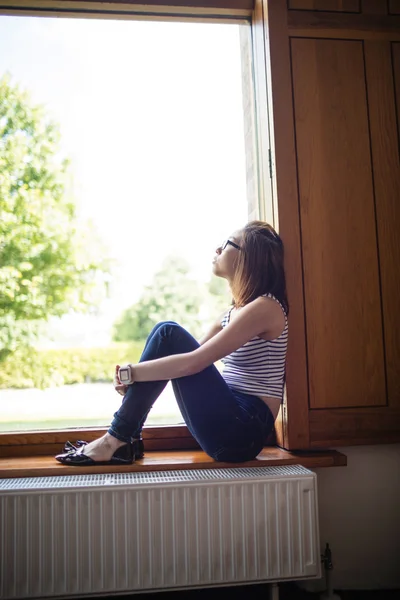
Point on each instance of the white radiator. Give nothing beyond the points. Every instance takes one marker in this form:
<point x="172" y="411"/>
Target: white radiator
<point x="97" y="534"/>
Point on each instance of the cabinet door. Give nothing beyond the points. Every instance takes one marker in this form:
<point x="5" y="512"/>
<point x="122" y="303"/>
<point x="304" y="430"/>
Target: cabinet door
<point x="337" y="212"/>
<point x="335" y="97"/>
<point x="326" y="5"/>
<point x="394" y="7"/>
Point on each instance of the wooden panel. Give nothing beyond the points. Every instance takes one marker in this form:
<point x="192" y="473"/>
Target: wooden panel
<point x="343" y="309"/>
<point x="167" y="461"/>
<point x="374" y="7"/>
<point x="325" y="5"/>
<point x="396" y="76"/>
<point x="50" y="442"/>
<point x="60" y="436"/>
<point x="386" y="165"/>
<point x="347" y="427"/>
<point x="394" y="7"/>
<point x="346" y="26"/>
<point x="292" y="422"/>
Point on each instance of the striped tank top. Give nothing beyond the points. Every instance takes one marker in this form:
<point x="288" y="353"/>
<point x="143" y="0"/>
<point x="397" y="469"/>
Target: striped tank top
<point x="258" y="367"/>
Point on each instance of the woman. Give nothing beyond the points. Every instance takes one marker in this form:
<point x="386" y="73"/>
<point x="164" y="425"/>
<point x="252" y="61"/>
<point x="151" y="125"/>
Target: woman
<point x="229" y="414"/>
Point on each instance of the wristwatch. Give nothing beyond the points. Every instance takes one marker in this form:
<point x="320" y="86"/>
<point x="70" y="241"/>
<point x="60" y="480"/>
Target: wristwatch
<point x="125" y="374"/>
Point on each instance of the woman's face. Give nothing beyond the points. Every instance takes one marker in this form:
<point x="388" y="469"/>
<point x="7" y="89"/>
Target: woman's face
<point x="226" y="254"/>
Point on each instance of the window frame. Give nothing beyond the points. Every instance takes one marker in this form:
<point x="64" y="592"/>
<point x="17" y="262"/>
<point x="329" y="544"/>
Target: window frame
<point x="201" y="10"/>
<point x="259" y="148"/>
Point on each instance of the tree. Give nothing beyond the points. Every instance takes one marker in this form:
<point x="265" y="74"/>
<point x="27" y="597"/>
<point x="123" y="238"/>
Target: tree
<point x="46" y="267"/>
<point x="172" y="296"/>
<point x="220" y="297"/>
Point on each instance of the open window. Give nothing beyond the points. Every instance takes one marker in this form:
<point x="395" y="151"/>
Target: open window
<point x="164" y="124"/>
<point x="309" y="71"/>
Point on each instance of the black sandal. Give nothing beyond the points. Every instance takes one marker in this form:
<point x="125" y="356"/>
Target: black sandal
<point x="70" y="447"/>
<point x="138" y="447"/>
<point x="122" y="456"/>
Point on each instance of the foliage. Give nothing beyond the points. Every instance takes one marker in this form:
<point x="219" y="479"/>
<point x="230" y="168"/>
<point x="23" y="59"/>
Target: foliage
<point x="219" y="295"/>
<point x="46" y="267"/>
<point x="46" y="368"/>
<point x="172" y="296"/>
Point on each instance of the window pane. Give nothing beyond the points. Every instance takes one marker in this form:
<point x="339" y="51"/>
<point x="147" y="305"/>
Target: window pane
<point x="149" y="117"/>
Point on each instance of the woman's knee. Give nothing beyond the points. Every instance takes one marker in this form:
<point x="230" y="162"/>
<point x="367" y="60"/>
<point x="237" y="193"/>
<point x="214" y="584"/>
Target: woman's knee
<point x="171" y="329"/>
<point x="179" y="338"/>
<point x="168" y="323"/>
<point x="161" y="324"/>
<point x="174" y="335"/>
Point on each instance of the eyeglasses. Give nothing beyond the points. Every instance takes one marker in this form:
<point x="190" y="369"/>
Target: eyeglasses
<point x="228" y="242"/>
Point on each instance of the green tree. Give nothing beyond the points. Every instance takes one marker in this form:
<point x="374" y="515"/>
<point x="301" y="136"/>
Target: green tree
<point x="46" y="265"/>
<point x="220" y="296"/>
<point x="172" y="296"/>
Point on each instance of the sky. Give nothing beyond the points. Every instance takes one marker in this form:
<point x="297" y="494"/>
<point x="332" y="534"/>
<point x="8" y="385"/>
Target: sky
<point x="151" y="118"/>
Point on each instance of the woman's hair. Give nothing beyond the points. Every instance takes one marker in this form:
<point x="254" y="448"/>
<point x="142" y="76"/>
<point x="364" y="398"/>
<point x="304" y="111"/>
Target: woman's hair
<point x="259" y="267"/>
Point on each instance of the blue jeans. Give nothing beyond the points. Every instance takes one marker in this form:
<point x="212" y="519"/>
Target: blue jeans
<point x="228" y="425"/>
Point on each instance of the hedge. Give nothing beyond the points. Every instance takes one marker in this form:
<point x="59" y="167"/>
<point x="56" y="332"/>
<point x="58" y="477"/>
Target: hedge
<point x="47" y="368"/>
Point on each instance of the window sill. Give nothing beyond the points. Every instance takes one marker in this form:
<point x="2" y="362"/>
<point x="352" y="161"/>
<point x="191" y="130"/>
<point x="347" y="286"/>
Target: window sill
<point x="42" y="466"/>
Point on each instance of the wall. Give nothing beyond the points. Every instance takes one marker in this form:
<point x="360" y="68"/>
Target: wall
<point x="359" y="513"/>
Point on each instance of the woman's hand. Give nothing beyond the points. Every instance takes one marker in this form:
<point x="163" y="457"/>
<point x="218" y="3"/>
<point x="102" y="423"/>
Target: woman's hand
<point x="118" y="386"/>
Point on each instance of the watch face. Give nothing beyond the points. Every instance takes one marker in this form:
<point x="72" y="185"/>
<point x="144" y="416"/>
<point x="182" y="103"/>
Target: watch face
<point x="124" y="375"/>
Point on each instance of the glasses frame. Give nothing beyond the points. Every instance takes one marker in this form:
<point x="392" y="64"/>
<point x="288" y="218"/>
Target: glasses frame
<point x="228" y="242"/>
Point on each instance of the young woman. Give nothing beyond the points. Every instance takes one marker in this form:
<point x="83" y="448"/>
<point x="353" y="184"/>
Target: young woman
<point x="229" y="414"/>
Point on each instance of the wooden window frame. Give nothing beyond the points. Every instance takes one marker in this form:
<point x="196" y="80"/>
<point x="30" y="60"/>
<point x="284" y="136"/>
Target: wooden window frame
<point x="201" y="10"/>
<point x="166" y="437"/>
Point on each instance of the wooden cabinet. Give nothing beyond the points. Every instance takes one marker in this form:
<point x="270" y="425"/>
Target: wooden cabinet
<point x="394" y="7"/>
<point x="335" y="93"/>
<point x="326" y="5"/>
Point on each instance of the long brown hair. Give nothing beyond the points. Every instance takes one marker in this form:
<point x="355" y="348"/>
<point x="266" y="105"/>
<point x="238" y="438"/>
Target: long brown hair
<point x="260" y="265"/>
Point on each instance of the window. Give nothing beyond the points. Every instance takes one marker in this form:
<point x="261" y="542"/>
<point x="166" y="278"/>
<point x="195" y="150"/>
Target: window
<point x="156" y="143"/>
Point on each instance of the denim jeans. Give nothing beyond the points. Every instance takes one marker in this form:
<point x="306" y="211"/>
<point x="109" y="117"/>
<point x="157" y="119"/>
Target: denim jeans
<point x="229" y="425"/>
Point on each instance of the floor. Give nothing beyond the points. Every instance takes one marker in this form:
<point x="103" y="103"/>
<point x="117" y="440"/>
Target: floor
<point x="287" y="591"/>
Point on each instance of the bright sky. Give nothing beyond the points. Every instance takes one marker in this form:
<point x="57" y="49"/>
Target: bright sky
<point x="151" y="116"/>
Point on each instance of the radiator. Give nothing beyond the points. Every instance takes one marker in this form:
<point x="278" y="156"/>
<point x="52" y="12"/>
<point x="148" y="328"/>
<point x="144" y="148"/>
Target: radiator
<point x="77" y="535"/>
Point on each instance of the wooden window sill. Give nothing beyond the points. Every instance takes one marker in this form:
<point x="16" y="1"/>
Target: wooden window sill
<point x="42" y="466"/>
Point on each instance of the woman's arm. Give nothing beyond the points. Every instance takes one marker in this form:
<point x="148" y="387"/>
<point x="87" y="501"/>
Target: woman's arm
<point x="257" y="317"/>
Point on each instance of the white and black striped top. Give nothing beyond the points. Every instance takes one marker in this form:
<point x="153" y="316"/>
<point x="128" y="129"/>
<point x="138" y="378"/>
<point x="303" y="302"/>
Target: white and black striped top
<point x="258" y="367"/>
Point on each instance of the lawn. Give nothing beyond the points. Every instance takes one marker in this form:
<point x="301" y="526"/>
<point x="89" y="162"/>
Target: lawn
<point x="76" y="405"/>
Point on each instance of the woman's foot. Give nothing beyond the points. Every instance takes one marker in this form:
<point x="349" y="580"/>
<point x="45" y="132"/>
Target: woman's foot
<point x="102" y="449"/>
<point x="107" y="450"/>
